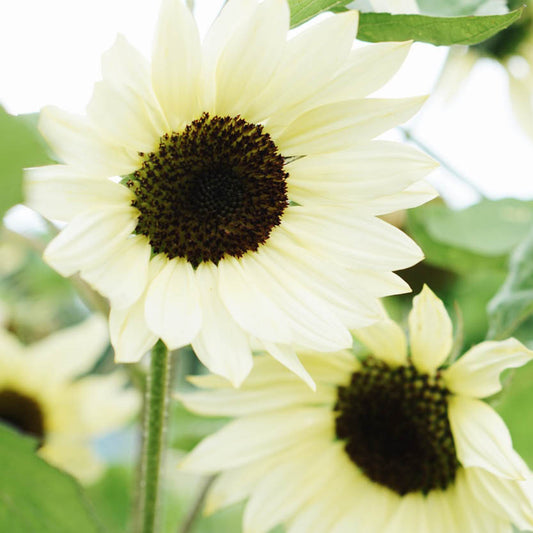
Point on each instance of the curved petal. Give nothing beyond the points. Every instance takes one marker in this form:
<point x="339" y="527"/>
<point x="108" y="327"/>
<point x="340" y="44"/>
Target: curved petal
<point x="221" y="344"/>
<point x="74" y="139"/>
<point x="310" y="61"/>
<point x="477" y="372"/>
<point x="122" y="276"/>
<point x="176" y="63"/>
<point x="250" y="57"/>
<point x="70" y="352"/>
<point x="483" y="440"/>
<point x="337" y="126"/>
<point x="130" y="335"/>
<point x="386" y="340"/>
<point x="62" y="192"/>
<point x="510" y="500"/>
<point x="252" y="438"/>
<point x="172" y="306"/>
<point x="430" y="331"/>
<point x="89" y="238"/>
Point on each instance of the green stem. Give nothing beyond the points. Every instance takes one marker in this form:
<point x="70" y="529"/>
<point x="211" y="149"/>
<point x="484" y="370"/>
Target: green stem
<point x="194" y="511"/>
<point x="444" y="164"/>
<point x="154" y="437"/>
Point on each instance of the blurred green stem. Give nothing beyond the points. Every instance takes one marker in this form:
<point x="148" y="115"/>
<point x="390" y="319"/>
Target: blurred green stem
<point x="409" y="136"/>
<point x="192" y="515"/>
<point x="155" y="416"/>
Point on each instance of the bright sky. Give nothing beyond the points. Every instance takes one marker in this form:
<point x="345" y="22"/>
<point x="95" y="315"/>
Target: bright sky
<point x="51" y="55"/>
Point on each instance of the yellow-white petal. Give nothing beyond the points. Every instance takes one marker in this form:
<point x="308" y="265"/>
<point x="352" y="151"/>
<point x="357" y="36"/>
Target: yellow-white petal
<point x="337" y="126"/>
<point x="509" y="499"/>
<point x="89" y="238"/>
<point x="221" y="344"/>
<point x="430" y="331"/>
<point x="385" y="340"/>
<point x="75" y="140"/>
<point x="72" y="351"/>
<point x="62" y="192"/>
<point x="250" y="57"/>
<point x="172" y="306"/>
<point x="176" y="63"/>
<point x="482" y="439"/>
<point x="252" y="438"/>
<point x="477" y="372"/>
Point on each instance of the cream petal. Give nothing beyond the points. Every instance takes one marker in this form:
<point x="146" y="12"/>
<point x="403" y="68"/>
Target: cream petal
<point x="242" y="402"/>
<point x="285" y="488"/>
<point x="72" y="351"/>
<point x="250" y="57"/>
<point x="364" y="242"/>
<point x="62" y="192"/>
<point x="123" y="118"/>
<point x="252" y="438"/>
<point x="287" y="356"/>
<point x="310" y="61"/>
<point x="105" y="403"/>
<point x="416" y="194"/>
<point x="522" y="102"/>
<point x="430" y="331"/>
<point x="367" y="69"/>
<point x="385" y="340"/>
<point x="482" y="439"/>
<point x="74" y="139"/>
<point x="221" y="344"/>
<point x="172" y="306"/>
<point x="89" y="238"/>
<point x="309" y="317"/>
<point x="510" y="500"/>
<point x="337" y="126"/>
<point x="411" y="515"/>
<point x="367" y="171"/>
<point x="130" y="335"/>
<point x="379" y="284"/>
<point x="477" y="372"/>
<point x="250" y="306"/>
<point x="122" y="276"/>
<point x="176" y="63"/>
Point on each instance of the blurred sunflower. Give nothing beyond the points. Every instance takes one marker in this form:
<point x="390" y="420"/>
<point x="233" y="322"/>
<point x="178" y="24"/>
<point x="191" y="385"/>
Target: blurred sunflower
<point x="43" y="395"/>
<point x="397" y="442"/>
<point x="247" y="208"/>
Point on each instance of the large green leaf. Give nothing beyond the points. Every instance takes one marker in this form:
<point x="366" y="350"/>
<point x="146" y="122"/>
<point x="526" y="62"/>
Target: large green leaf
<point x="21" y="147"/>
<point x="513" y="304"/>
<point x="36" y="497"/>
<point x="304" y="10"/>
<point x="379" y="27"/>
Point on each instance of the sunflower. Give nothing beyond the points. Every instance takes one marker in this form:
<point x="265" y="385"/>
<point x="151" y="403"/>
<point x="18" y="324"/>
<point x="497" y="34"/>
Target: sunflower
<point x="395" y="442"/>
<point x="229" y="193"/>
<point x="42" y="395"/>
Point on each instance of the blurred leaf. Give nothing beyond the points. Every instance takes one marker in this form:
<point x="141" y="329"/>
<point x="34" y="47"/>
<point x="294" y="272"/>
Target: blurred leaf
<point x="35" y="497"/>
<point x="188" y="429"/>
<point x="450" y="8"/>
<point x="304" y="10"/>
<point x="513" y="303"/>
<point x="112" y="498"/>
<point x="21" y="147"/>
<point x="379" y="27"/>
<point x="515" y="405"/>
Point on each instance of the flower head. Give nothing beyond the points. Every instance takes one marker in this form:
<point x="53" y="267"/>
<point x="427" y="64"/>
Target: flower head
<point x="229" y="193"/>
<point x="42" y="395"/>
<point x="399" y="441"/>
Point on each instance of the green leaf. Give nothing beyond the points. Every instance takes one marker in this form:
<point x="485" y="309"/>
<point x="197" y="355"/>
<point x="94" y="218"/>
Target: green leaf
<point x="21" y="147"/>
<point x="513" y="303"/>
<point x="35" y="497"/>
<point x="379" y="27"/>
<point x="450" y="8"/>
<point x="304" y="10"/>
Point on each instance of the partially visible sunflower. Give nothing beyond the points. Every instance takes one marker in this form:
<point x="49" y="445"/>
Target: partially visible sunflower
<point x="229" y="193"/>
<point x="398" y="442"/>
<point x="43" y="395"/>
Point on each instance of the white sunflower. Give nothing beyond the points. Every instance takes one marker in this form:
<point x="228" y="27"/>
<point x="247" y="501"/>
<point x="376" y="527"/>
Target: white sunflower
<point x="396" y="443"/>
<point x="251" y="187"/>
<point x="42" y="395"/>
